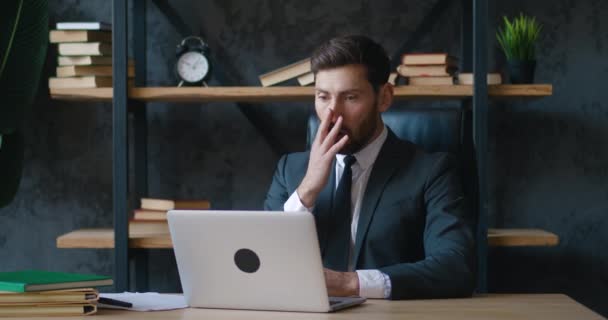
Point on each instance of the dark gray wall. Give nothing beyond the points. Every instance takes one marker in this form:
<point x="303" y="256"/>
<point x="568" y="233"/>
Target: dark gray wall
<point x="548" y="157"/>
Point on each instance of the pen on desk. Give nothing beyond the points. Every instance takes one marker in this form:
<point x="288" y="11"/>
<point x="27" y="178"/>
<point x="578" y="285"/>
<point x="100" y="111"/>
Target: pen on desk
<point x="113" y="302"/>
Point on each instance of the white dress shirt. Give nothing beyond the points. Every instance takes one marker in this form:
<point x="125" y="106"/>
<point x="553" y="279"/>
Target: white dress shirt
<point x="372" y="283"/>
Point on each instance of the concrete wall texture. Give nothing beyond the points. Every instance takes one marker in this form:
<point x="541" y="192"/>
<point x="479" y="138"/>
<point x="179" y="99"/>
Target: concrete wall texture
<point x="548" y="161"/>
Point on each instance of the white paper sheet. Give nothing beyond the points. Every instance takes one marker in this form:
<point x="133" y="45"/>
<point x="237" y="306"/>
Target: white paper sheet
<point x="147" y="301"/>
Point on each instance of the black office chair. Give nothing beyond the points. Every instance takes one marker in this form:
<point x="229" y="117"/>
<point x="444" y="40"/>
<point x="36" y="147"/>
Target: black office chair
<point x="435" y="129"/>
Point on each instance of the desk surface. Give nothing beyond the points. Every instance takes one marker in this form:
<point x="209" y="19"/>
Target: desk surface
<point x="512" y="306"/>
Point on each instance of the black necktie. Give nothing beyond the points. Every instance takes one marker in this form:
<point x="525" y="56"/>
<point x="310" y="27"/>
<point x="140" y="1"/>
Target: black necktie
<point x="338" y="242"/>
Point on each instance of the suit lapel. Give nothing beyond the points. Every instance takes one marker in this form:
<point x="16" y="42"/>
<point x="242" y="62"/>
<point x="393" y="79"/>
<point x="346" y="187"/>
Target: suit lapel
<point x="388" y="161"/>
<point x="323" y="208"/>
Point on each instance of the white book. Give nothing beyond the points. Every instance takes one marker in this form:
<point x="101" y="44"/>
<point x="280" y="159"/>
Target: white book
<point x="84" y="49"/>
<point x="83" y="26"/>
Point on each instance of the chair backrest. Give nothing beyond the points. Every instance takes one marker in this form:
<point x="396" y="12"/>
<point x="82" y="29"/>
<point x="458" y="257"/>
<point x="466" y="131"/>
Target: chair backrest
<point x="445" y="129"/>
<point x="435" y="129"/>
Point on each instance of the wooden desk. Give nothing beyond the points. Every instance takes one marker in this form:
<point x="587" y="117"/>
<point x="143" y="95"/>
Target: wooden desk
<point x="512" y="306"/>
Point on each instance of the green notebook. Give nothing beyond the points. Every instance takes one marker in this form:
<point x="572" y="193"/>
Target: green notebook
<point x="35" y="280"/>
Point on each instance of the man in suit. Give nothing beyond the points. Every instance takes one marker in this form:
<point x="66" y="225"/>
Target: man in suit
<point x="390" y="217"/>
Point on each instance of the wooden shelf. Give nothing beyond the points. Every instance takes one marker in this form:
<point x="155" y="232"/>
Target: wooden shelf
<point x="104" y="239"/>
<point x="274" y="94"/>
<point x="521" y="238"/>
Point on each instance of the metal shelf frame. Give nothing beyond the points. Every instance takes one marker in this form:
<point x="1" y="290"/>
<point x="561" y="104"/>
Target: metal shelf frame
<point x="474" y="23"/>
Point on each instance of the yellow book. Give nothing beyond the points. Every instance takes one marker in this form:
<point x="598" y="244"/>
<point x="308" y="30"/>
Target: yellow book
<point x="48" y="310"/>
<point x="166" y="204"/>
<point x="87" y="295"/>
<point x="285" y="73"/>
<point x="59" y="36"/>
<point x="73" y="71"/>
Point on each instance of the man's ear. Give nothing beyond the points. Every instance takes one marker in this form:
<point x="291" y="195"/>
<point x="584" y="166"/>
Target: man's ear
<point x="385" y="97"/>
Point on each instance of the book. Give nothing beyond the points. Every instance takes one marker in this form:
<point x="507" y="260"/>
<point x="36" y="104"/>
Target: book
<point x="285" y="73"/>
<point x="414" y="59"/>
<point x="147" y="214"/>
<point x="72" y="71"/>
<point x="48" y="310"/>
<point x="165" y="204"/>
<point x="84" y="49"/>
<point x="467" y="78"/>
<point x="426" y="71"/>
<point x="94" y="25"/>
<point x="80" y="82"/>
<point x="88" y="60"/>
<point x="306" y="79"/>
<point x="36" y="280"/>
<point x="86" y="295"/>
<point x="60" y="36"/>
<point x="430" y="81"/>
<point x="143" y="227"/>
<point x="84" y="60"/>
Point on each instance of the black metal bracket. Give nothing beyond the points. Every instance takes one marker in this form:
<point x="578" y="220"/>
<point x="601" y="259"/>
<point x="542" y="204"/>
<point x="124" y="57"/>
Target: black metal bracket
<point x="423" y="28"/>
<point x="120" y="143"/>
<point x="480" y="132"/>
<point x="250" y="111"/>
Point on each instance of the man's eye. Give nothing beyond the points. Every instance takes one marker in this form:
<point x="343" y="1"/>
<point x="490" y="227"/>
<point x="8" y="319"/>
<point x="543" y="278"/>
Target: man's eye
<point x="351" y="97"/>
<point x="321" y="97"/>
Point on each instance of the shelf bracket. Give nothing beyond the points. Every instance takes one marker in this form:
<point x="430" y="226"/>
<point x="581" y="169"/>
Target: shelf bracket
<point x="251" y="112"/>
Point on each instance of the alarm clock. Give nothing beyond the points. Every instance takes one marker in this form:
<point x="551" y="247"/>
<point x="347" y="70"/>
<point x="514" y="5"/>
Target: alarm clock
<point x="192" y="66"/>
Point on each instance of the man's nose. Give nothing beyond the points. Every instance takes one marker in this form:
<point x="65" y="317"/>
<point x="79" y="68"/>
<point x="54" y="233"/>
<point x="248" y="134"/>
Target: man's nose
<point x="337" y="108"/>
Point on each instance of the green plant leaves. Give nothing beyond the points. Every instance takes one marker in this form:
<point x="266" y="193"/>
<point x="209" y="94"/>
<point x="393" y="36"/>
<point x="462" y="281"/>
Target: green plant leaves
<point x="517" y="38"/>
<point x="23" y="44"/>
<point x="11" y="166"/>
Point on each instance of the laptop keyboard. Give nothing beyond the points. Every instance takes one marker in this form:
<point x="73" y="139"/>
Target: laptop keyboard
<point x="333" y="302"/>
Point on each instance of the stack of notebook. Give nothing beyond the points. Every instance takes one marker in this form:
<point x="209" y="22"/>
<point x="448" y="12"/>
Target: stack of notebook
<point x="428" y="69"/>
<point x="42" y="293"/>
<point x="151" y="217"/>
<point x="85" y="55"/>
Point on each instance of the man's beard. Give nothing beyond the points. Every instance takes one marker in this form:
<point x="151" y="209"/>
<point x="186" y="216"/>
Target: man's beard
<point x="368" y="129"/>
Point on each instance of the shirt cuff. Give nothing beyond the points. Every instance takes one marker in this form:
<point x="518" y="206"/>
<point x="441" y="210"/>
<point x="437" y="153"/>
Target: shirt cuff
<point x="374" y="284"/>
<point x="294" y="204"/>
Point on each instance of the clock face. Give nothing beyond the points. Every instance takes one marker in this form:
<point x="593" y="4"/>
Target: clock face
<point x="192" y="66"/>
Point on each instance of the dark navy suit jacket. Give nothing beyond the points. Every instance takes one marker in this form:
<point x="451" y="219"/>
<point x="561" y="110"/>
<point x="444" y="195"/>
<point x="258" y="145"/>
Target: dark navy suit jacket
<point x="412" y="225"/>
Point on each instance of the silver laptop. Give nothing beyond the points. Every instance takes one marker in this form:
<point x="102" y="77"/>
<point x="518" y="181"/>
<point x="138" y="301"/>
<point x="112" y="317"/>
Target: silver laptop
<point x="258" y="260"/>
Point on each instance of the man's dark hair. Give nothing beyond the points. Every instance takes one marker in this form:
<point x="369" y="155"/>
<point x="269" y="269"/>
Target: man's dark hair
<point x="353" y="49"/>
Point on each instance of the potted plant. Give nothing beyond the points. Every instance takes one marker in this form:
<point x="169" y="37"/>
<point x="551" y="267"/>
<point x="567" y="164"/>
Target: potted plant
<point x="517" y="39"/>
<point x="23" y="43"/>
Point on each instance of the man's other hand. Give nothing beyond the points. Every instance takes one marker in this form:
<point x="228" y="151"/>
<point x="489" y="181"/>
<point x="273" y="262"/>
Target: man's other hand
<point x="341" y="284"/>
<point x="322" y="153"/>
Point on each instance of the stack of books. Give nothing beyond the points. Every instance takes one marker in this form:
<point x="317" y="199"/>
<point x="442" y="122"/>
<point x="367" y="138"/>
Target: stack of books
<point x="422" y="69"/>
<point x="32" y="293"/>
<point x="151" y="217"/>
<point x="299" y="70"/>
<point x="85" y="55"/>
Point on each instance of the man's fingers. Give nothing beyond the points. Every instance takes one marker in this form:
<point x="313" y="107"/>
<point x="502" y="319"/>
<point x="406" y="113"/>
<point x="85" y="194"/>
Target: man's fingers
<point x="330" y="139"/>
<point x="337" y="146"/>
<point x="323" y="127"/>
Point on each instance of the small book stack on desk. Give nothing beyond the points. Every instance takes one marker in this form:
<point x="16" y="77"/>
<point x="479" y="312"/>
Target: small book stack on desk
<point x="85" y="55"/>
<point x="151" y="217"/>
<point x="424" y="69"/>
<point x="42" y="293"/>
